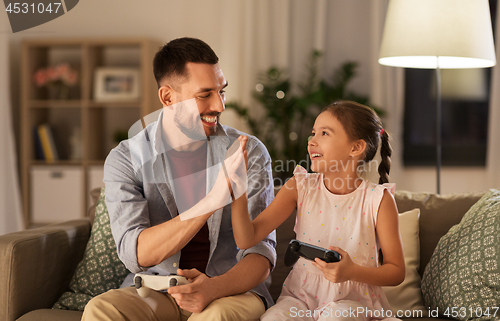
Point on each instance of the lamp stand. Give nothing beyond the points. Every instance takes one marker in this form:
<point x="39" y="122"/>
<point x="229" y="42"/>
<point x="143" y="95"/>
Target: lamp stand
<point x="438" y="127"/>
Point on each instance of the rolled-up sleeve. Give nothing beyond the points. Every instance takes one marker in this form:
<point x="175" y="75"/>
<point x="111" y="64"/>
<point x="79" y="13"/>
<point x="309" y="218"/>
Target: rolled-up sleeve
<point x="260" y="194"/>
<point x="127" y="207"/>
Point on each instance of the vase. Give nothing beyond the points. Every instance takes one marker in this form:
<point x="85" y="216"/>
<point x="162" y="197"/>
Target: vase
<point x="58" y="92"/>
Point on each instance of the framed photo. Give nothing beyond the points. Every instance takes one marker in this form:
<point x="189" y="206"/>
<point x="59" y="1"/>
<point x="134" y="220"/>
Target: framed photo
<point x="111" y="84"/>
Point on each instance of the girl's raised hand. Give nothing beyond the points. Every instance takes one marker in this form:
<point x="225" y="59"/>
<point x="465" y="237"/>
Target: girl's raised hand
<point x="339" y="271"/>
<point x="243" y="143"/>
<point x="237" y="163"/>
<point x="231" y="181"/>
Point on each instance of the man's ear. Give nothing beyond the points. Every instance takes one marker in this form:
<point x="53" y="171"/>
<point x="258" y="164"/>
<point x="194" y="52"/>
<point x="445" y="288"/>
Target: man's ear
<point x="165" y="94"/>
<point x="358" y="148"/>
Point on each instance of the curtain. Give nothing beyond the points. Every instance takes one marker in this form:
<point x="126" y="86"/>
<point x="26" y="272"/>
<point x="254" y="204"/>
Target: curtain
<point x="387" y="90"/>
<point x="10" y="200"/>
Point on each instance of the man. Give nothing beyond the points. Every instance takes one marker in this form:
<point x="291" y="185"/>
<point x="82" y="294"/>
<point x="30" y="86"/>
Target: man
<point x="164" y="171"/>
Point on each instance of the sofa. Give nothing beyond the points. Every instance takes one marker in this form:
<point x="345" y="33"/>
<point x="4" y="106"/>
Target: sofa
<point x="37" y="265"/>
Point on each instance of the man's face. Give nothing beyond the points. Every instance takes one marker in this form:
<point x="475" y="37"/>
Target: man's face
<point x="206" y="84"/>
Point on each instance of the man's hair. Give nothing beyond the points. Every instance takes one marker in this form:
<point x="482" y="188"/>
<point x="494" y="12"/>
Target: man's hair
<point x="170" y="61"/>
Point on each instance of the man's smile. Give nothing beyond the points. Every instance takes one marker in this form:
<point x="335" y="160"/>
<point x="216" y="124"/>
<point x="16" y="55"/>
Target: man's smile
<point x="209" y="121"/>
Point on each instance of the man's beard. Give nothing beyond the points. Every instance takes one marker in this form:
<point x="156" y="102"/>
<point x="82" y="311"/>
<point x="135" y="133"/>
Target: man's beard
<point x="188" y="120"/>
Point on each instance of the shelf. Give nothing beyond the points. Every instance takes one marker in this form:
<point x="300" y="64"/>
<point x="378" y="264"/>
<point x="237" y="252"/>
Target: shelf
<point x="95" y="162"/>
<point x="89" y="41"/>
<point x="115" y="104"/>
<point x="56" y="163"/>
<point x="77" y="103"/>
<point x="84" y="130"/>
<point x="46" y="103"/>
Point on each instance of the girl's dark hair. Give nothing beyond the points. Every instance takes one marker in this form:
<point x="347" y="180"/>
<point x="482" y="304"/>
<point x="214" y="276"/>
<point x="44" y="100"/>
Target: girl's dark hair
<point x="171" y="59"/>
<point x="361" y="122"/>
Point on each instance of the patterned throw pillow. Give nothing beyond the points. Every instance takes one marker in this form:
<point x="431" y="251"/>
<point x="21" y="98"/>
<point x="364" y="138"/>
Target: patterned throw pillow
<point x="100" y="269"/>
<point x="462" y="279"/>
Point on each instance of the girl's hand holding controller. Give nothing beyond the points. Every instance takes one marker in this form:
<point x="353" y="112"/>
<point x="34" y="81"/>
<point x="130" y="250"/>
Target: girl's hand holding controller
<point x="339" y="271"/>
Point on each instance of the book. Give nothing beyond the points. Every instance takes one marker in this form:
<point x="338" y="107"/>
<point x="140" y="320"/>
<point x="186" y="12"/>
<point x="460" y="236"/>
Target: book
<point x="48" y="144"/>
<point x="38" y="145"/>
<point x="52" y="143"/>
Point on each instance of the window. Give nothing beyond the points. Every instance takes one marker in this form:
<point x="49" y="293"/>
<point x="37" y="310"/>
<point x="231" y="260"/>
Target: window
<point x="465" y="103"/>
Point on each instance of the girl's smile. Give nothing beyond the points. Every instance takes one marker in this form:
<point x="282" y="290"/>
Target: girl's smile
<point x="315" y="155"/>
<point x="329" y="143"/>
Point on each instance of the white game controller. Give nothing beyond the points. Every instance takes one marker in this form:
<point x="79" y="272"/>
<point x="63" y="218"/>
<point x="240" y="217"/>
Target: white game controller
<point x="144" y="283"/>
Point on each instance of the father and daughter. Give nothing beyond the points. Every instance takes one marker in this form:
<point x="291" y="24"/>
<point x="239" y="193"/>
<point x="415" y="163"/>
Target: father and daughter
<point x="335" y="207"/>
<point x="226" y="251"/>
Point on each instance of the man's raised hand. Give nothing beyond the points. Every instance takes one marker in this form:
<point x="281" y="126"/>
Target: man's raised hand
<point x="231" y="182"/>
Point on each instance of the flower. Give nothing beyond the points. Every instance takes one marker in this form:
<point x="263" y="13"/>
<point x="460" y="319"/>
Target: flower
<point x="61" y="73"/>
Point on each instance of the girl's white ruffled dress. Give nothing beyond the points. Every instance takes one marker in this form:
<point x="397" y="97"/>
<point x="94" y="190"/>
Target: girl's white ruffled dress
<point x="346" y="221"/>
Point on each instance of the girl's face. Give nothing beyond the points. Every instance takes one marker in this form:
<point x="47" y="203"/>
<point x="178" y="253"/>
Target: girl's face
<point x="329" y="148"/>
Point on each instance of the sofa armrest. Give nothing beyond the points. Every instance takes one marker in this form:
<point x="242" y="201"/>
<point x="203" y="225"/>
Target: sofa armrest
<point x="37" y="265"/>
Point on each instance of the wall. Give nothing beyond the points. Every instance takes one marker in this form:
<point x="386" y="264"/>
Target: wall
<point x="249" y="36"/>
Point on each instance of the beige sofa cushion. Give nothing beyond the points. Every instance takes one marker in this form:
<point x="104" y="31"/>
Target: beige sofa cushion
<point x="407" y="295"/>
<point x="438" y="213"/>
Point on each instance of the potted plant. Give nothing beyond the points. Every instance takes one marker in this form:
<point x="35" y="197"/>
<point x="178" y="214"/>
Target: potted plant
<point x="288" y="116"/>
<point x="58" y="80"/>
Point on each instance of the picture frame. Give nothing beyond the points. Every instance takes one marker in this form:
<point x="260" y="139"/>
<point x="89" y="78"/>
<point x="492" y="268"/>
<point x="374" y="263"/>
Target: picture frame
<point x="116" y="84"/>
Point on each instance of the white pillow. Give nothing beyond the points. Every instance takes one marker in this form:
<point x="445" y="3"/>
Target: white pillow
<point x="407" y="296"/>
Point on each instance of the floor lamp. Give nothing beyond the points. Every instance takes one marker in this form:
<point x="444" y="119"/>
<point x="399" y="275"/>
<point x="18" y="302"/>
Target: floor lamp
<point x="438" y="34"/>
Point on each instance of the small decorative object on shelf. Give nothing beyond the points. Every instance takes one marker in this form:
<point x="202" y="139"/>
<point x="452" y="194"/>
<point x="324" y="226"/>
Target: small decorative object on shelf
<point x="75" y="142"/>
<point x="116" y="84"/>
<point x="58" y="80"/>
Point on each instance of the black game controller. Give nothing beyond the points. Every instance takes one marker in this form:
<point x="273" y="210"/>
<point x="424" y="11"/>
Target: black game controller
<point x="298" y="249"/>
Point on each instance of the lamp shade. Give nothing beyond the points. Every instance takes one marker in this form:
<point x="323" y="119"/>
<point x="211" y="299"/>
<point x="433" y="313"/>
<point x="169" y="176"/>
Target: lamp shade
<point x="423" y="33"/>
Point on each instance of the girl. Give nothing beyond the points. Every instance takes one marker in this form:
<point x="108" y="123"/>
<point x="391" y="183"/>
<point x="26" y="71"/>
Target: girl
<point x="337" y="210"/>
